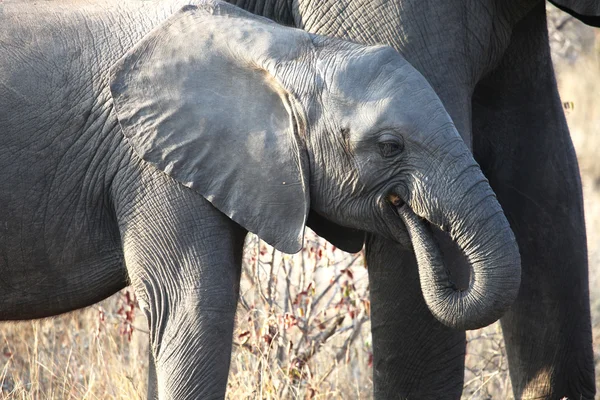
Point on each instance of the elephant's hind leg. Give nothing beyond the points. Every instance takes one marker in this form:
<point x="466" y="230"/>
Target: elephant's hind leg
<point x="531" y="165"/>
<point x="184" y="260"/>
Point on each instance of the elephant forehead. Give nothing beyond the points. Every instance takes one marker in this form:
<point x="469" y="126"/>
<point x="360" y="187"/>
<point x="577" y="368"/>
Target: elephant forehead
<point x="365" y="71"/>
<point x="388" y="106"/>
<point x="377" y="75"/>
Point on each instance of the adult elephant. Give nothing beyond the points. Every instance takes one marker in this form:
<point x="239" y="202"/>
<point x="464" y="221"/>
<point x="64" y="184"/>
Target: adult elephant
<point x="489" y="61"/>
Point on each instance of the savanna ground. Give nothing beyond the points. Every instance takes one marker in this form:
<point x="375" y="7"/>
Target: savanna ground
<point x="303" y="327"/>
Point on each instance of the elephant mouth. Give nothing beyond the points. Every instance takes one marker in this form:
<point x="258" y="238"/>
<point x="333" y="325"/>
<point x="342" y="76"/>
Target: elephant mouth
<point x="391" y="206"/>
<point x="395" y="200"/>
<point x="456" y="264"/>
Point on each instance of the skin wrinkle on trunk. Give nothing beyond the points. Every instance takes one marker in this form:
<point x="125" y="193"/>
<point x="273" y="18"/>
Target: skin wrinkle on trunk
<point x="494" y="261"/>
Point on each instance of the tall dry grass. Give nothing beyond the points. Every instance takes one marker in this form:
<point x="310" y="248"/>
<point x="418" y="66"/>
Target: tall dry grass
<point x="86" y="354"/>
<point x="302" y="324"/>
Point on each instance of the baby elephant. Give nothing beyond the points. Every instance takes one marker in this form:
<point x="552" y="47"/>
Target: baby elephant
<point x="140" y="143"/>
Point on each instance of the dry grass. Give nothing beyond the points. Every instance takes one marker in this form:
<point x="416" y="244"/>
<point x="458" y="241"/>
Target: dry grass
<point x="302" y="329"/>
<point x="303" y="325"/>
<point x="81" y="355"/>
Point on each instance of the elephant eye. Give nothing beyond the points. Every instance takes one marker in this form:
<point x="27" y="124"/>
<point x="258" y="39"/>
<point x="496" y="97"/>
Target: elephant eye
<point x="390" y="148"/>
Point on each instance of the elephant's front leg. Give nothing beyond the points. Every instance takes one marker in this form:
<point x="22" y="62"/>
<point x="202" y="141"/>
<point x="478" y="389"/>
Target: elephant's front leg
<point x="415" y="356"/>
<point x="523" y="144"/>
<point x="184" y="257"/>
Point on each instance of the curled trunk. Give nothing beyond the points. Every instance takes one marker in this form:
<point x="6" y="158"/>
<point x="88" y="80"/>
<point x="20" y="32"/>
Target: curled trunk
<point x="475" y="221"/>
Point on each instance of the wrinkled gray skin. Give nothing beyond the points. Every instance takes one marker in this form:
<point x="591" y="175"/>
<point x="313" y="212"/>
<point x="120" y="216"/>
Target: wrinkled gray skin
<point x="140" y="143"/>
<point x="489" y="61"/>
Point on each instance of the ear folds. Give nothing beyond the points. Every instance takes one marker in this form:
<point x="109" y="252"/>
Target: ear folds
<point x="199" y="99"/>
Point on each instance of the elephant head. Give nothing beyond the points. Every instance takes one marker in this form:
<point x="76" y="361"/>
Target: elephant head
<point x="268" y="122"/>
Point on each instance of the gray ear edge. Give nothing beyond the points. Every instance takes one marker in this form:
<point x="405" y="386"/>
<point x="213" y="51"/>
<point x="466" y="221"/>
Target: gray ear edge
<point x="346" y="239"/>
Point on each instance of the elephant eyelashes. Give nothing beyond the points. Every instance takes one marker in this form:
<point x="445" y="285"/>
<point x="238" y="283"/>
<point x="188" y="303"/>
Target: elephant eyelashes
<point x="390" y="149"/>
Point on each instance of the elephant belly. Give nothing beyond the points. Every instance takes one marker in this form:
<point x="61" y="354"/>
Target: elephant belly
<point x="59" y="242"/>
<point x="45" y="292"/>
<point x="55" y="257"/>
<point x="60" y="246"/>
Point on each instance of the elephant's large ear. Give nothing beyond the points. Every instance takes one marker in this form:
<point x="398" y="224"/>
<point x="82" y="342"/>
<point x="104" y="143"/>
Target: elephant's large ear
<point x="587" y="11"/>
<point x="200" y="99"/>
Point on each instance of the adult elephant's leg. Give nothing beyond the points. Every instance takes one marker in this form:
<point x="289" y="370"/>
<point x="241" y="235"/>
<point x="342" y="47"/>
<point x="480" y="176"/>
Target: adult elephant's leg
<point x="414" y="356"/>
<point x="184" y="259"/>
<point x="528" y="157"/>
